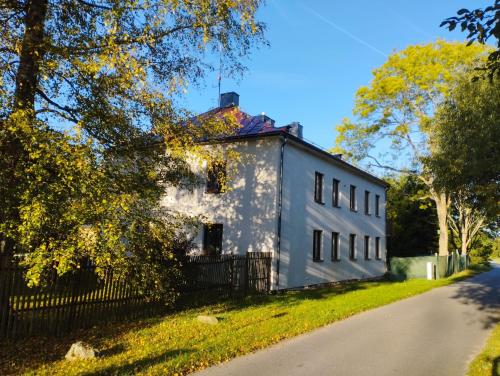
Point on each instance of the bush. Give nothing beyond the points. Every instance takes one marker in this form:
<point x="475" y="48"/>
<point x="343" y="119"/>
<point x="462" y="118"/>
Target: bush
<point x="482" y="250"/>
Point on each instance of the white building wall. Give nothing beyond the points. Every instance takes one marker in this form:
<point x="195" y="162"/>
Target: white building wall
<point x="248" y="210"/>
<point x="301" y="215"/>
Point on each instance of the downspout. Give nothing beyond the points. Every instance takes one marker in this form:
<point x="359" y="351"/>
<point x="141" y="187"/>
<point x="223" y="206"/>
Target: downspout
<point x="387" y="259"/>
<point x="280" y="207"/>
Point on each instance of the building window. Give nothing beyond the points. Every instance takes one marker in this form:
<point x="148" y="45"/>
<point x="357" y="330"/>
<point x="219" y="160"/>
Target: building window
<point x="318" y="187"/>
<point x="335" y="193"/>
<point x="378" y="255"/>
<point x="377" y="205"/>
<point x="367" y="247"/>
<point x="352" y="246"/>
<point x="216" y="177"/>
<point x="212" y="239"/>
<point x="317" y="234"/>
<point x="352" y="198"/>
<point x="335" y="246"/>
<point x="367" y="202"/>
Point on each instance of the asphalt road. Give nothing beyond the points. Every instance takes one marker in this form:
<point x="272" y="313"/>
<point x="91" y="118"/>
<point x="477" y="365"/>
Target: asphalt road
<point x="436" y="333"/>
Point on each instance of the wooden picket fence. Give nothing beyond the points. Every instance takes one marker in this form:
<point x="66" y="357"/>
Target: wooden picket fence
<point x="76" y="300"/>
<point x="81" y="299"/>
<point x="232" y="274"/>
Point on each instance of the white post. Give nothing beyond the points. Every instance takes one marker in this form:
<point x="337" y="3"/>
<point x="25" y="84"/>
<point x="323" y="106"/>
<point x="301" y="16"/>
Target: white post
<point x="429" y="270"/>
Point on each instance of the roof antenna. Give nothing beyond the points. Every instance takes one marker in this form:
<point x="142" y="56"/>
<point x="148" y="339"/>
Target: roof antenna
<point x="220" y="70"/>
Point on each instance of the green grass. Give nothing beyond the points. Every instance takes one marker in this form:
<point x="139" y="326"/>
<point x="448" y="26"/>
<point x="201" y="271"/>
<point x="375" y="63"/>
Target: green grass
<point x="179" y="344"/>
<point x="487" y="363"/>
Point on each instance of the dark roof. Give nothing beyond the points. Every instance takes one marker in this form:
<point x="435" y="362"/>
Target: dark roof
<point x="262" y="126"/>
<point x="250" y="125"/>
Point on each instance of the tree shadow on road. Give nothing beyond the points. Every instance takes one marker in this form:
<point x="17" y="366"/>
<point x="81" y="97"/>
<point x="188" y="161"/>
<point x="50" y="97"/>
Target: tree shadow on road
<point x="484" y="292"/>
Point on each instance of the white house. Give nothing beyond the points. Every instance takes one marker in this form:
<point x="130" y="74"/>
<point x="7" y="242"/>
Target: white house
<point x="322" y="219"/>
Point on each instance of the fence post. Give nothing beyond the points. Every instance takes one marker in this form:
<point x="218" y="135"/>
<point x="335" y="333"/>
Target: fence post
<point x="437" y="266"/>
<point x="5" y="284"/>
<point x="268" y="268"/>
<point x="246" y="273"/>
<point x="74" y="296"/>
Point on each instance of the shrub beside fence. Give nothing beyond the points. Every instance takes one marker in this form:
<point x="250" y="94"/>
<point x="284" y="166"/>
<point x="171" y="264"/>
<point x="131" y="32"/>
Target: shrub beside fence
<point x="80" y="299"/>
<point x="416" y="267"/>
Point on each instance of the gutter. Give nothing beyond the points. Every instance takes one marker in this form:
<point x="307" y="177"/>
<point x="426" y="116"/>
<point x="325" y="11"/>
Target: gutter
<point x="308" y="146"/>
<point x="280" y="209"/>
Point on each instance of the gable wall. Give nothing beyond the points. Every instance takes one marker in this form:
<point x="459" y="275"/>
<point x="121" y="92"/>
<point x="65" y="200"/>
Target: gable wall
<point x="248" y="210"/>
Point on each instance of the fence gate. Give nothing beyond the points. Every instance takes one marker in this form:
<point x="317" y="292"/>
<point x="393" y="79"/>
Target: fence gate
<point x="236" y="274"/>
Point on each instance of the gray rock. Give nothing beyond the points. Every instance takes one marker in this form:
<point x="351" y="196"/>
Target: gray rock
<point x="210" y="320"/>
<point x="81" y="350"/>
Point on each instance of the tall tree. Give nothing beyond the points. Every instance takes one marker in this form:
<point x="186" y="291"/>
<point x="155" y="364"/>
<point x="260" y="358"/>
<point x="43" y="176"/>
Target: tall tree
<point x="398" y="108"/>
<point x="466" y="157"/>
<point x="481" y="25"/>
<point x="411" y="218"/>
<point x="90" y="134"/>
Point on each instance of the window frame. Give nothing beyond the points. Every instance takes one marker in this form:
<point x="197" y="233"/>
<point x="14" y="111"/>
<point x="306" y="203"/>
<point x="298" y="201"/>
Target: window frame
<point x="317" y="240"/>
<point x="352" y="247"/>
<point x="367" y="203"/>
<point x="335" y="193"/>
<point x="378" y="253"/>
<point x="352" y="198"/>
<point x="318" y="187"/>
<point x="367" y="247"/>
<point x="335" y="246"/>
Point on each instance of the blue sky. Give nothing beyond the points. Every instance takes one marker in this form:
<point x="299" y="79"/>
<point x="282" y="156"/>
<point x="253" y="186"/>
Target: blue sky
<point x="320" y="52"/>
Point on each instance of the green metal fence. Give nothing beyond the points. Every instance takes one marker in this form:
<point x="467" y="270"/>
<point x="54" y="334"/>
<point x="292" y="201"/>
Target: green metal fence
<point x="416" y="267"/>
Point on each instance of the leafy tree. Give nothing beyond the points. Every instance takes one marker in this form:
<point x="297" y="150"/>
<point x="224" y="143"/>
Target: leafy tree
<point x="481" y="24"/>
<point x="482" y="248"/>
<point x="466" y="157"/>
<point x="90" y="134"/>
<point x="411" y="218"/>
<point x="398" y="107"/>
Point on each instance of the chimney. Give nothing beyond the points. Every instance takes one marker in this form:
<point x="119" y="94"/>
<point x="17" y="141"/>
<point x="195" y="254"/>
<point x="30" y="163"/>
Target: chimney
<point x="295" y="129"/>
<point x="229" y="99"/>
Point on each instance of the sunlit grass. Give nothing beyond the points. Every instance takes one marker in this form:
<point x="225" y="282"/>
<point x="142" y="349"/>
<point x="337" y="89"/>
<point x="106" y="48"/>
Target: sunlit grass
<point x="487" y="363"/>
<point x="178" y="343"/>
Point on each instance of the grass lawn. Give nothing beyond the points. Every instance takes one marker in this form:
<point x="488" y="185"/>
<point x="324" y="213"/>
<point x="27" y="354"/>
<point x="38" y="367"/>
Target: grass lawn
<point x="179" y="344"/>
<point x="488" y="362"/>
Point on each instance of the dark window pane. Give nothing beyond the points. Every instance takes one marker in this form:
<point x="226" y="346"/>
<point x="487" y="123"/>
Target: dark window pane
<point x="352" y="197"/>
<point x="335" y="193"/>
<point x="352" y="246"/>
<point x="367" y="247"/>
<point x="377" y="248"/>
<point x="367" y="202"/>
<point x="317" y="245"/>
<point x="212" y="239"/>
<point x="335" y="246"/>
<point x="318" y="187"/>
<point x="377" y="205"/>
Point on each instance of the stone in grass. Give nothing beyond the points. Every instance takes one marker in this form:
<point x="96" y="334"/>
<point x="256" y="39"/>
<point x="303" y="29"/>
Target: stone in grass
<point x="81" y="350"/>
<point x="210" y="320"/>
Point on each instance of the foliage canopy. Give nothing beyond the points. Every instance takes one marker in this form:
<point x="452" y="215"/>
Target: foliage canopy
<point x="481" y="24"/>
<point x="90" y="133"/>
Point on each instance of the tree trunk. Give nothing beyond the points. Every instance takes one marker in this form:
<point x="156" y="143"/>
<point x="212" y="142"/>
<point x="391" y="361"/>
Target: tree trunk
<point x="27" y="78"/>
<point x="465" y="244"/>
<point x="32" y="51"/>
<point x="441" y="201"/>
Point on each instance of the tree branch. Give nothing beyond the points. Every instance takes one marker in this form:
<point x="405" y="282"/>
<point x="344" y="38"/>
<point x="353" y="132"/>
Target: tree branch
<point x="93" y="5"/>
<point x="70" y="111"/>
<point x="387" y="167"/>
